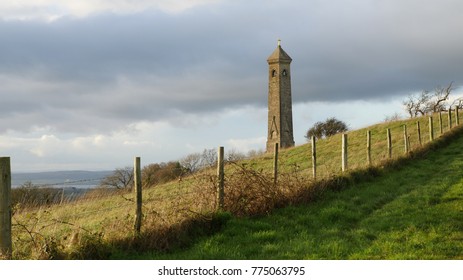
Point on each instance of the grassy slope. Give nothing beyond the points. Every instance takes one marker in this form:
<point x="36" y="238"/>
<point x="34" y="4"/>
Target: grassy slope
<point x="329" y="150"/>
<point x="414" y="212"/>
<point x="111" y="218"/>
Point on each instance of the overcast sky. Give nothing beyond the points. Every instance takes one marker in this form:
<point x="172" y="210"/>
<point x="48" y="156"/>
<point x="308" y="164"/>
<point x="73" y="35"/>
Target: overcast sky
<point x="90" y="84"/>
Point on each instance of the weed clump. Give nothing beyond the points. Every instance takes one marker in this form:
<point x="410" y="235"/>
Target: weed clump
<point x="250" y="192"/>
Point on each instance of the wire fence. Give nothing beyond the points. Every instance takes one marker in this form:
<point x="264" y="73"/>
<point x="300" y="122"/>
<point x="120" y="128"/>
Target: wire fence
<point x="102" y="212"/>
<point x="110" y="214"/>
<point x="366" y="147"/>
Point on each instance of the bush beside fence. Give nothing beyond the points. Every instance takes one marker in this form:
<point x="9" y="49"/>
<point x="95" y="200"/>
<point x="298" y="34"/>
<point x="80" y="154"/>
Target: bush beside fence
<point x="238" y="188"/>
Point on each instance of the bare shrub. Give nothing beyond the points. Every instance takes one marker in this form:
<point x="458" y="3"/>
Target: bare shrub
<point x="159" y="173"/>
<point x="33" y="196"/>
<point x="255" y="153"/>
<point x="392" y="118"/>
<point x="191" y="163"/>
<point x="250" y="192"/>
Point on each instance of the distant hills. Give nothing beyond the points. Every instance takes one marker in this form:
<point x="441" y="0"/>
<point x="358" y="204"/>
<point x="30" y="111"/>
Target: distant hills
<point x="75" y="178"/>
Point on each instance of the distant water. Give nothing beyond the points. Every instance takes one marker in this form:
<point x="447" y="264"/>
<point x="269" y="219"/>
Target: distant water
<point x="60" y="179"/>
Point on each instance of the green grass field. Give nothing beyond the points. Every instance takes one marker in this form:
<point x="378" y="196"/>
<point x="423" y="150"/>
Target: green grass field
<point x="411" y="212"/>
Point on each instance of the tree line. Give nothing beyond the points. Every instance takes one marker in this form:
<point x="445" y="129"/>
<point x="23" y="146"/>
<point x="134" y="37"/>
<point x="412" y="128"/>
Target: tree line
<point x="30" y="195"/>
<point x="427" y="102"/>
<point x="160" y="173"/>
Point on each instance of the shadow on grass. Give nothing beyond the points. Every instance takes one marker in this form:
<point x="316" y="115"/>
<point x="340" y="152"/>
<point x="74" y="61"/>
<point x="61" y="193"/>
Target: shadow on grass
<point x="406" y="209"/>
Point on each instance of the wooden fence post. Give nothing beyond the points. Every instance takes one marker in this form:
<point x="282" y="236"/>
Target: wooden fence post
<point x="431" y="129"/>
<point x="5" y="208"/>
<point x="450" y="117"/>
<point x="418" y="129"/>
<point x="275" y="164"/>
<point x="138" y="192"/>
<point x="344" y="152"/>
<point x="221" y="177"/>
<point x="314" y="158"/>
<point x="389" y="143"/>
<point x="440" y="123"/>
<point x="406" y="148"/>
<point x="457" y="117"/>
<point x="369" y="147"/>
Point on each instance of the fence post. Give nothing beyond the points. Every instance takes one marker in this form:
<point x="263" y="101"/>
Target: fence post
<point x="314" y="158"/>
<point x="431" y="129"/>
<point x="389" y="143"/>
<point x="406" y="148"/>
<point x="5" y="208"/>
<point x="440" y="123"/>
<point x="457" y="117"/>
<point x="418" y="129"/>
<point x="138" y="194"/>
<point x="275" y="164"/>
<point x="369" y="147"/>
<point x="344" y="152"/>
<point x="450" y="117"/>
<point x="221" y="177"/>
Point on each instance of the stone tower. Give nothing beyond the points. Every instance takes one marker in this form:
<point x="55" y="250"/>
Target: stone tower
<point x="280" y="113"/>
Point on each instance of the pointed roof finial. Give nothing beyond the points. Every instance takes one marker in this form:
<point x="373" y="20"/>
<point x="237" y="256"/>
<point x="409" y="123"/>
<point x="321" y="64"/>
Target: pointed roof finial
<point x="279" y="55"/>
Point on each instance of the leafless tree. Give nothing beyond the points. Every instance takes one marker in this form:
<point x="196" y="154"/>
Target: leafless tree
<point x="209" y="158"/>
<point x="409" y="105"/>
<point x="234" y="155"/>
<point x="197" y="161"/>
<point x="418" y="104"/>
<point x="191" y="163"/>
<point x="441" y="94"/>
<point x="121" y="178"/>
<point x="394" y="117"/>
<point x="255" y="153"/>
<point x="427" y="102"/>
<point x="457" y="103"/>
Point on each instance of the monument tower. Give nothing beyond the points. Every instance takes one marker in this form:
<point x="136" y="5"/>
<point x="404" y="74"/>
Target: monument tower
<point x="280" y="113"/>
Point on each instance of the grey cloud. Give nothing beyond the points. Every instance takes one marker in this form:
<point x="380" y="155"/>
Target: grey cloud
<point x="382" y="49"/>
<point x="106" y="71"/>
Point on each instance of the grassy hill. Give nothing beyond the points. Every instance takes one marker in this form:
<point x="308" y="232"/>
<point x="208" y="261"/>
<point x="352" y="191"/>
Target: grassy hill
<point x="374" y="212"/>
<point x="412" y="212"/>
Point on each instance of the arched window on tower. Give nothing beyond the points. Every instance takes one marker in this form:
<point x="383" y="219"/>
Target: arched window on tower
<point x="274" y="73"/>
<point x="284" y="73"/>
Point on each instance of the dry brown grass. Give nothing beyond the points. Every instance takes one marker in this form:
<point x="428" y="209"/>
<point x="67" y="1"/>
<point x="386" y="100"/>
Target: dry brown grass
<point x="176" y="213"/>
